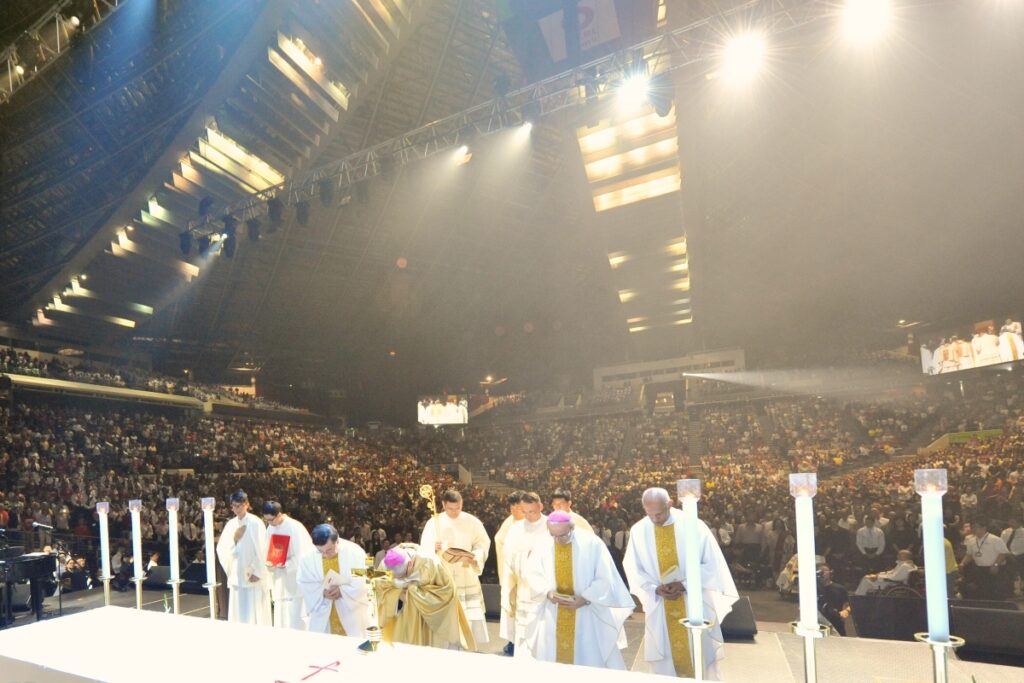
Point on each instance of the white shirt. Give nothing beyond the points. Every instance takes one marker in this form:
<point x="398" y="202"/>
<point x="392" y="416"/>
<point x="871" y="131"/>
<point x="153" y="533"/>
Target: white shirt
<point x="985" y="550"/>
<point x="1017" y="545"/>
<point x="870" y="538"/>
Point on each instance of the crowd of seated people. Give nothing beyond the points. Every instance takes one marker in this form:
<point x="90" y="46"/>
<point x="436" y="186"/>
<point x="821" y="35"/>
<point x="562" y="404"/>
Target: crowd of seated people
<point x="56" y="461"/>
<point x="13" y="361"/>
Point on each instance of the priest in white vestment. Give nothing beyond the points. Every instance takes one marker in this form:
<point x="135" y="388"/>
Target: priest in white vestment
<point x="1011" y="343"/>
<point x="525" y="536"/>
<point x="655" y="556"/>
<point x="964" y="355"/>
<point x="242" y="551"/>
<point x="335" y="600"/>
<point x="561" y="501"/>
<point x="284" y="590"/>
<point x="515" y="513"/>
<point x="456" y="530"/>
<point x="583" y="600"/>
<point x="986" y="348"/>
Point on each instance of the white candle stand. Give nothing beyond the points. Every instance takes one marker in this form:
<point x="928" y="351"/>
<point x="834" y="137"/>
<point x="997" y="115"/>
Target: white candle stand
<point x="696" y="632"/>
<point x="208" y="505"/>
<point x="803" y="486"/>
<point x="135" y="509"/>
<point x="688" y="492"/>
<point x="172" y="543"/>
<point x="102" y="510"/>
<point x="931" y="485"/>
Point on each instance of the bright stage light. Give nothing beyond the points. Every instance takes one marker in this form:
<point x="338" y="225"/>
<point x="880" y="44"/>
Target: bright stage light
<point x="75" y="22"/>
<point x="744" y="57"/>
<point x="866" y="21"/>
<point x="463" y="155"/>
<point x="632" y="92"/>
<point x="19" y="69"/>
<point x="523" y="132"/>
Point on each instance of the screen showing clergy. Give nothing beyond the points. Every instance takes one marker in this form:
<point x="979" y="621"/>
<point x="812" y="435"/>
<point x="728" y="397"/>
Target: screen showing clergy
<point x="987" y="343"/>
<point x="445" y="409"/>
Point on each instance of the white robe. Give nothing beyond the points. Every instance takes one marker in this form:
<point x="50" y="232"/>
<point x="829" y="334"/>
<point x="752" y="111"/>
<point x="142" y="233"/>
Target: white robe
<point x="284" y="590"/>
<point x="499" y="550"/>
<point x="516" y="609"/>
<point x="468" y="533"/>
<point x="599" y="633"/>
<point x="353" y="607"/>
<point x="644" y="577"/>
<point x="248" y="602"/>
<point x="986" y="349"/>
<point x="1011" y="346"/>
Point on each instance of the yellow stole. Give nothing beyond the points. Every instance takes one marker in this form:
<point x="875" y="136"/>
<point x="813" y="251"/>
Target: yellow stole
<point x="675" y="610"/>
<point x="336" y="627"/>
<point x="565" y="629"/>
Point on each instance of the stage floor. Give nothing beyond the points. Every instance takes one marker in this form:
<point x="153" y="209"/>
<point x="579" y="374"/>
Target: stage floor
<point x="774" y="655"/>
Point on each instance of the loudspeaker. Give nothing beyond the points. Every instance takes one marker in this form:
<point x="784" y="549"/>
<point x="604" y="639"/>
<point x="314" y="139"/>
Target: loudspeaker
<point x="157" y="577"/>
<point x="740" y="623"/>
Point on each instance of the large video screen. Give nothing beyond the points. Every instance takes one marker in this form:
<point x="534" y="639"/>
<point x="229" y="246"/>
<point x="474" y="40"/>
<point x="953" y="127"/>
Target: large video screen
<point x="445" y="409"/>
<point x="986" y="343"/>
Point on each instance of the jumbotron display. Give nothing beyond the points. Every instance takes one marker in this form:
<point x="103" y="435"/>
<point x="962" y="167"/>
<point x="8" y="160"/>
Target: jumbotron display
<point x="983" y="345"/>
<point x="446" y="409"/>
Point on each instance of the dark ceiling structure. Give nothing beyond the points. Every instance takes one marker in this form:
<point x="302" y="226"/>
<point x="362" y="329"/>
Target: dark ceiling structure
<point x="121" y="159"/>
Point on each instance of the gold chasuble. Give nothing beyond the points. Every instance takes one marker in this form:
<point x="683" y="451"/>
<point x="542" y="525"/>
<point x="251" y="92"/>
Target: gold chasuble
<point x="566" y="628"/>
<point x="336" y="627"/>
<point x="675" y="610"/>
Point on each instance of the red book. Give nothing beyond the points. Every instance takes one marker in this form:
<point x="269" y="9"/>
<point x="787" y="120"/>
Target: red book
<point x="277" y="554"/>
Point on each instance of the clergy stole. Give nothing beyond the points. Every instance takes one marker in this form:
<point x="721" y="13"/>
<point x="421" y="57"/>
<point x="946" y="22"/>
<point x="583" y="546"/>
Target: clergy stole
<point x="336" y="627"/>
<point x="565" y="629"/>
<point x="675" y="610"/>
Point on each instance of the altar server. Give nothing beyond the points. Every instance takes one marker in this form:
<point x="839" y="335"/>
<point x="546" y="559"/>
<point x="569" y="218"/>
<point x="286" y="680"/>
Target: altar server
<point x="287" y="541"/>
<point x="242" y="551"/>
<point x="446" y="535"/>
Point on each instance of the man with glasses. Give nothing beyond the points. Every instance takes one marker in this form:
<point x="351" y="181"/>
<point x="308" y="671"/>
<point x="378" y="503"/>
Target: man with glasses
<point x="242" y="551"/>
<point x="288" y="541"/>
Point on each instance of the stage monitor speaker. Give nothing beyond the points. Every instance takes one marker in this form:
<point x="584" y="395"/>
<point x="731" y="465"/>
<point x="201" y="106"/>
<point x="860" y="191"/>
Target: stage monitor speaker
<point x="740" y="623"/>
<point x="157" y="578"/>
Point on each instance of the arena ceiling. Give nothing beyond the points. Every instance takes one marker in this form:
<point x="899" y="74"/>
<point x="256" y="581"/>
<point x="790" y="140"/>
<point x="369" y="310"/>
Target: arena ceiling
<point x="844" y="192"/>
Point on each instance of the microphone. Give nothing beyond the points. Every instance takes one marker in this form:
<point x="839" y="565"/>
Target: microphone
<point x="37" y="525"/>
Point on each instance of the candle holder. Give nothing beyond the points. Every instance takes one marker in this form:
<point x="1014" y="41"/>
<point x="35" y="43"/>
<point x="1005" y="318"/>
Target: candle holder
<point x="696" y="632"/>
<point x="931" y="485"/>
<point x="940" y="654"/>
<point x="172" y="543"/>
<point x="135" y="508"/>
<point x="803" y="486"/>
<point x="208" y="505"/>
<point x="103" y="509"/>
<point x="373" y="632"/>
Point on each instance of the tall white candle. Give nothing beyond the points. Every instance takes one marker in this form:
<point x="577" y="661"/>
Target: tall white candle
<point x="688" y="491"/>
<point x="135" y="508"/>
<point x="803" y="486"/>
<point x="103" y="509"/>
<point x="172" y="537"/>
<point x="208" y="504"/>
<point x="931" y="485"/>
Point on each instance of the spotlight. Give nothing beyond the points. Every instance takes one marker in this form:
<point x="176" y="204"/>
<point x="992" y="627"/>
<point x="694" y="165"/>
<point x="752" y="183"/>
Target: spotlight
<point x="230" y="225"/>
<point x="744" y="57"/>
<point x="19" y="69"/>
<point x="523" y="132"/>
<point x="302" y="212"/>
<point x="463" y="155"/>
<point x="632" y="92"/>
<point x="866" y="21"/>
<point x="326" y="186"/>
<point x="275" y="211"/>
<point x="253" y="227"/>
<point x="185" y="242"/>
<point x="531" y="111"/>
<point x="660" y="93"/>
<point x="317" y="62"/>
<point x="75" y="22"/>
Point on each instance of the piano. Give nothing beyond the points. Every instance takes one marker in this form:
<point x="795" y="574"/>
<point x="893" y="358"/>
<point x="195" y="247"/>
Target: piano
<point x="16" y="566"/>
